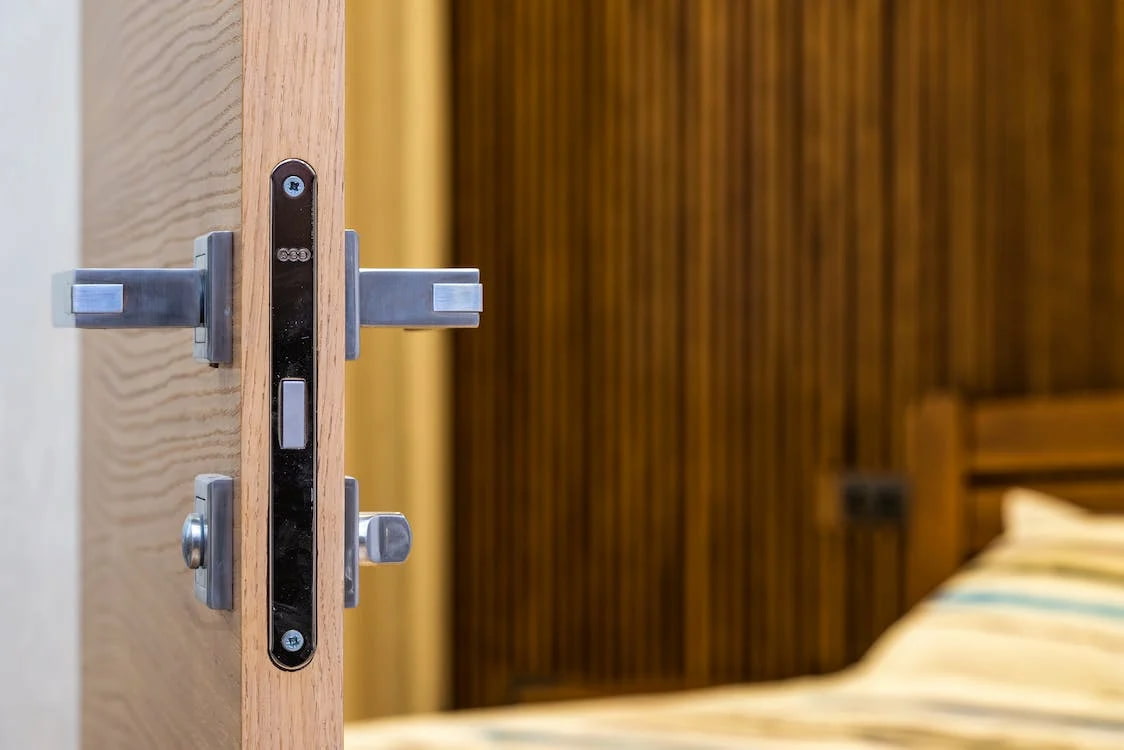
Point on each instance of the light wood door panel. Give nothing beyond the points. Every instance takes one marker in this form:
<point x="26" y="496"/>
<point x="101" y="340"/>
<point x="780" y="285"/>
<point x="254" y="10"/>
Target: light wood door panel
<point x="186" y="109"/>
<point x="161" y="145"/>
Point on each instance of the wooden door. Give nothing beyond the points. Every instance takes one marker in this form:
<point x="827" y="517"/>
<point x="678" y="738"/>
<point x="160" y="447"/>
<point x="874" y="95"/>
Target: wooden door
<point x="187" y="107"/>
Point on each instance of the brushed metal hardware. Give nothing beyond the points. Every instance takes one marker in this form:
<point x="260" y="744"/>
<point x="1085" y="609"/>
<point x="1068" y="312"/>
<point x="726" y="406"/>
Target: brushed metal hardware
<point x="89" y="299"/>
<point x="369" y="539"/>
<point x="384" y="538"/>
<point x="207" y="540"/>
<point x="412" y="298"/>
<point x="194" y="540"/>
<point x="200" y="297"/>
<point x="458" y="298"/>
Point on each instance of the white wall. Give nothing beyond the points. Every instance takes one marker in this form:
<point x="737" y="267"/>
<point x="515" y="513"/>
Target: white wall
<point x="39" y="215"/>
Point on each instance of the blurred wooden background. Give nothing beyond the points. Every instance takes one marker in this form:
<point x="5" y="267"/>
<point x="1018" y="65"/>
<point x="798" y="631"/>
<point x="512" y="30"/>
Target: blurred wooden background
<point x="725" y="242"/>
<point x="399" y="419"/>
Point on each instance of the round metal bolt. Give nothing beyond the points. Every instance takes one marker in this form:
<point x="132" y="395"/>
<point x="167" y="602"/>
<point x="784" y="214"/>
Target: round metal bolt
<point x="292" y="640"/>
<point x="293" y="186"/>
<point x="194" y="540"/>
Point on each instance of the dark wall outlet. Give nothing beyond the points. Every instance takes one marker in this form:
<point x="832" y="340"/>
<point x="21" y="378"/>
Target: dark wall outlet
<point x="873" y="498"/>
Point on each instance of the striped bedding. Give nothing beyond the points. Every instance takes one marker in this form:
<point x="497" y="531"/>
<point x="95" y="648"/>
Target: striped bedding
<point x="1023" y="649"/>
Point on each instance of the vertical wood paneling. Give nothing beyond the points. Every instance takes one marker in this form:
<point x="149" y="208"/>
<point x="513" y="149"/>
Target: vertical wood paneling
<point x="1071" y="76"/>
<point x="965" y="297"/>
<point x="706" y="30"/>
<point x="1038" y="124"/>
<point x="1105" y="194"/>
<point x="1108" y="194"/>
<point x="728" y="244"/>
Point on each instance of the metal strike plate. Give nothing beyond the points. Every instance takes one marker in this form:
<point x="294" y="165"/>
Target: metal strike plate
<point x="208" y="540"/>
<point x="292" y="504"/>
<point x="200" y="297"/>
<point x="413" y="298"/>
<point x="369" y="539"/>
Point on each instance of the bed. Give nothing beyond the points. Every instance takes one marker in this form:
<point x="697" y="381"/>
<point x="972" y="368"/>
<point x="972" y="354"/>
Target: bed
<point x="1017" y="639"/>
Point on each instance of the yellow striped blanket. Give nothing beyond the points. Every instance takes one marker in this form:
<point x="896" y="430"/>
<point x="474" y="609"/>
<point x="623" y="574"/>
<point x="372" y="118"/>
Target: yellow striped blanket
<point x="1022" y="649"/>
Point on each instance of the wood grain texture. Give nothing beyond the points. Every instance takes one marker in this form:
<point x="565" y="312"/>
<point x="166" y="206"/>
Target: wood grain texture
<point x="398" y="393"/>
<point x="293" y="106"/>
<point x="728" y="244"/>
<point x="1079" y="432"/>
<point x="938" y="441"/>
<point x="161" y="140"/>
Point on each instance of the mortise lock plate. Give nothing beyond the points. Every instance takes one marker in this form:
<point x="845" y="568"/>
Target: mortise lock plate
<point x="200" y="297"/>
<point x="403" y="298"/>
<point x="293" y="497"/>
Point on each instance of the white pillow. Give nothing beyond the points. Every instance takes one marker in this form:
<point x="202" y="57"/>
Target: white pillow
<point x="1030" y="515"/>
<point x="1039" y="613"/>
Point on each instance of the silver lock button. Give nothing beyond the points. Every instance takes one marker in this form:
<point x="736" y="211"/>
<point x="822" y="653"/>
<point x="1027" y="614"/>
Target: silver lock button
<point x="384" y="538"/>
<point x="369" y="539"/>
<point x="194" y="540"/>
<point x="207" y="540"/>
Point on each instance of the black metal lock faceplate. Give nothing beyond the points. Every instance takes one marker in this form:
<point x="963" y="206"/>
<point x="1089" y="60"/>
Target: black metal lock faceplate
<point x="292" y="512"/>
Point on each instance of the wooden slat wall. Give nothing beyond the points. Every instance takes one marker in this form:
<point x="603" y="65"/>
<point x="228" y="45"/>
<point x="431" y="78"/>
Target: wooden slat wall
<point x="726" y="244"/>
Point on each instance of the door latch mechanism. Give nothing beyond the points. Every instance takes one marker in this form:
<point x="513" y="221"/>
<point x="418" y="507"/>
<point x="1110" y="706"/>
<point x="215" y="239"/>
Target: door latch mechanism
<point x="207" y="540"/>
<point x="200" y="297"/>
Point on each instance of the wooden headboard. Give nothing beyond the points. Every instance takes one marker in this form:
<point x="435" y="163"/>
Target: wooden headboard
<point x="962" y="455"/>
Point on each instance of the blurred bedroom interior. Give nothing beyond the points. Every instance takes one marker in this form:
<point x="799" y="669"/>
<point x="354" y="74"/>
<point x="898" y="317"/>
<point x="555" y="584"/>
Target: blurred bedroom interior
<point x="785" y="298"/>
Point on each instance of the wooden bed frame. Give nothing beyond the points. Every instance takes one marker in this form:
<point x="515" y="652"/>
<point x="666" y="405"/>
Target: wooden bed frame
<point x="962" y="455"/>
